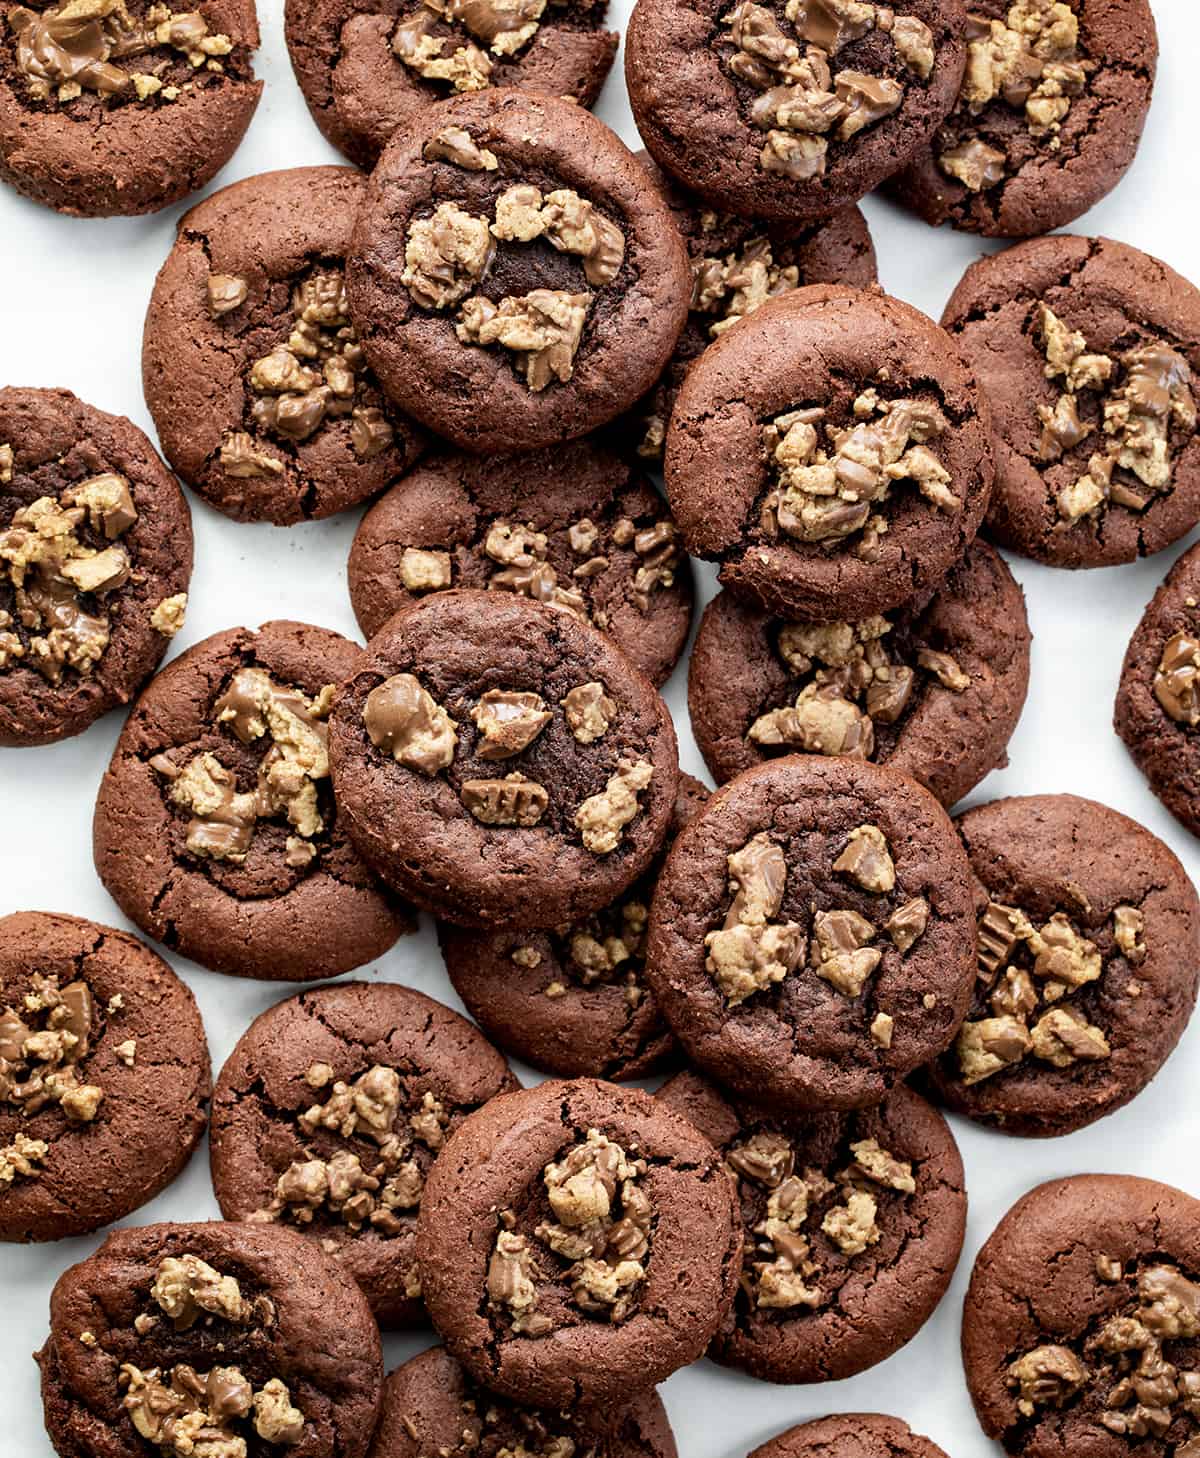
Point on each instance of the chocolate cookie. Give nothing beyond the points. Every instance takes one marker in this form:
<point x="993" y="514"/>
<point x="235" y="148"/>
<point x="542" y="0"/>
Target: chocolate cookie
<point x="515" y="277"/>
<point x="1158" y="699"/>
<point x="1087" y="351"/>
<point x="1089" y="958"/>
<point x="853" y="1224"/>
<point x="501" y="762"/>
<point x="105" y="1075"/>
<point x="95" y="559"/>
<point x="790" y="111"/>
<point x="577" y="1243"/>
<point x="832" y="453"/>
<point x="328" y="1115"/>
<point x="252" y="370"/>
<point x="738" y="264"/>
<point x="934" y="689"/>
<point x="850" y="1435"/>
<point x="1049" y="117"/>
<point x="242" y="1339"/>
<point x="811" y="938"/>
<point x="367" y="67"/>
<point x="571" y="1000"/>
<point x="215" y="827"/>
<point x="571" y="525"/>
<point x="1081" y="1322"/>
<point x="430" y="1405"/>
<point x="123" y="107"/>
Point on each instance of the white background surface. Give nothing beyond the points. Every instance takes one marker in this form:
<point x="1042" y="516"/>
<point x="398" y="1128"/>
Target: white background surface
<point x="75" y="294"/>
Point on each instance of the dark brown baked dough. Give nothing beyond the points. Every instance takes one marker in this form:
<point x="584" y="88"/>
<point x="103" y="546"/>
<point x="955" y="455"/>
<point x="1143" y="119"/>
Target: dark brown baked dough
<point x="281" y="912"/>
<point x="140" y="1048"/>
<point x="109" y="641"/>
<point x="313" y="1054"/>
<point x="850" y="1435"/>
<point x="251" y="370"/>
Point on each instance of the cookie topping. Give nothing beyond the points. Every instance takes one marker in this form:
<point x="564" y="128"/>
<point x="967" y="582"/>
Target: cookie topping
<point x="226" y="292"/>
<point x="169" y="614"/>
<point x="608" y="947"/>
<point x="437" y="57"/>
<point x="601" y="819"/>
<point x="186" y="1413"/>
<point x="734" y="286"/>
<point x="425" y="571"/>
<point x="508" y="722"/>
<point x="514" y="800"/>
<point x="1175" y="685"/>
<point x="405" y="721"/>
<point x="456" y="145"/>
<point x="752" y="951"/>
<point x="520" y="552"/>
<point x="240" y="457"/>
<point x="505" y="28"/>
<point x="20" y="1158"/>
<point x="543" y="327"/>
<point x="185" y="1287"/>
<point x="867" y="860"/>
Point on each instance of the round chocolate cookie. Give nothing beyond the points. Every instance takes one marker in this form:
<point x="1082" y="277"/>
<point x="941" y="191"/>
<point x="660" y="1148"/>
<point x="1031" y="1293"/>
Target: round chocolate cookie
<point x="832" y="453"/>
<point x="515" y="277"/>
<point x="248" y="1335"/>
<point x="571" y="1000"/>
<point x="850" y="1435"/>
<point x="1089" y="958"/>
<point x="328" y="1115"/>
<point x="935" y="689"/>
<point x="1048" y="120"/>
<point x="501" y="762"/>
<point x="811" y="939"/>
<point x="790" y="111"/>
<point x="367" y="67"/>
<point x="853" y="1224"/>
<point x="1087" y="351"/>
<point x="738" y="264"/>
<point x="123" y="107"/>
<point x="95" y="560"/>
<point x="577" y="1243"/>
<point x="215" y="827"/>
<point x="1081" y="1327"/>
<point x="571" y="525"/>
<point x="431" y="1405"/>
<point x="1158" y="699"/>
<point x="252" y="370"/>
<point x="105" y="1075"/>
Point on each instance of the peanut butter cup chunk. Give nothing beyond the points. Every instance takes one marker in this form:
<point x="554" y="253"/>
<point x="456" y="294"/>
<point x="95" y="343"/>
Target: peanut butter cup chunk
<point x="811" y="938"/>
<point x="851" y="1435"/>
<point x="515" y="277"/>
<point x="790" y="110"/>
<point x="832" y="453"/>
<point x="236" y="1339"/>
<point x="1081" y="1321"/>
<point x="500" y="762"/>
<point x="577" y="1243"/>
<point x="1088" y="963"/>
<point x="1089" y="352"/>
<point x="253" y="372"/>
<point x="95" y="559"/>
<point x="105" y="1075"/>
<point x="123" y="106"/>
<point x="215" y="827"/>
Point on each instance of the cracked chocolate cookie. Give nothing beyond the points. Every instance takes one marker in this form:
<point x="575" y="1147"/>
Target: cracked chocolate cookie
<point x="515" y="277"/>
<point x="367" y="67"/>
<point x="811" y="939"/>
<point x="934" y="689"/>
<point x="431" y="1405"/>
<point x="1088" y="351"/>
<point x="215" y="827"/>
<point x="790" y="110"/>
<point x="1082" y="1320"/>
<point x="832" y="453"/>
<point x="501" y="762"/>
<point x="210" y="1339"/>
<point x="850" y="1435"/>
<point x="738" y="264"/>
<point x="123" y="106"/>
<point x="1158" y="699"/>
<point x="852" y="1226"/>
<point x="1049" y="117"/>
<point x="95" y="560"/>
<point x="571" y="525"/>
<point x="1089" y="957"/>
<point x="571" y="1000"/>
<point x="252" y="370"/>
<point x="578" y="1243"/>
<point x="328" y="1115"/>
<point x="104" y="1075"/>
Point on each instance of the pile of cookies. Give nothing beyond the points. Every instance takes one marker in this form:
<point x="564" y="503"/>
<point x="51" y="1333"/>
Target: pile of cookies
<point x="495" y="334"/>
